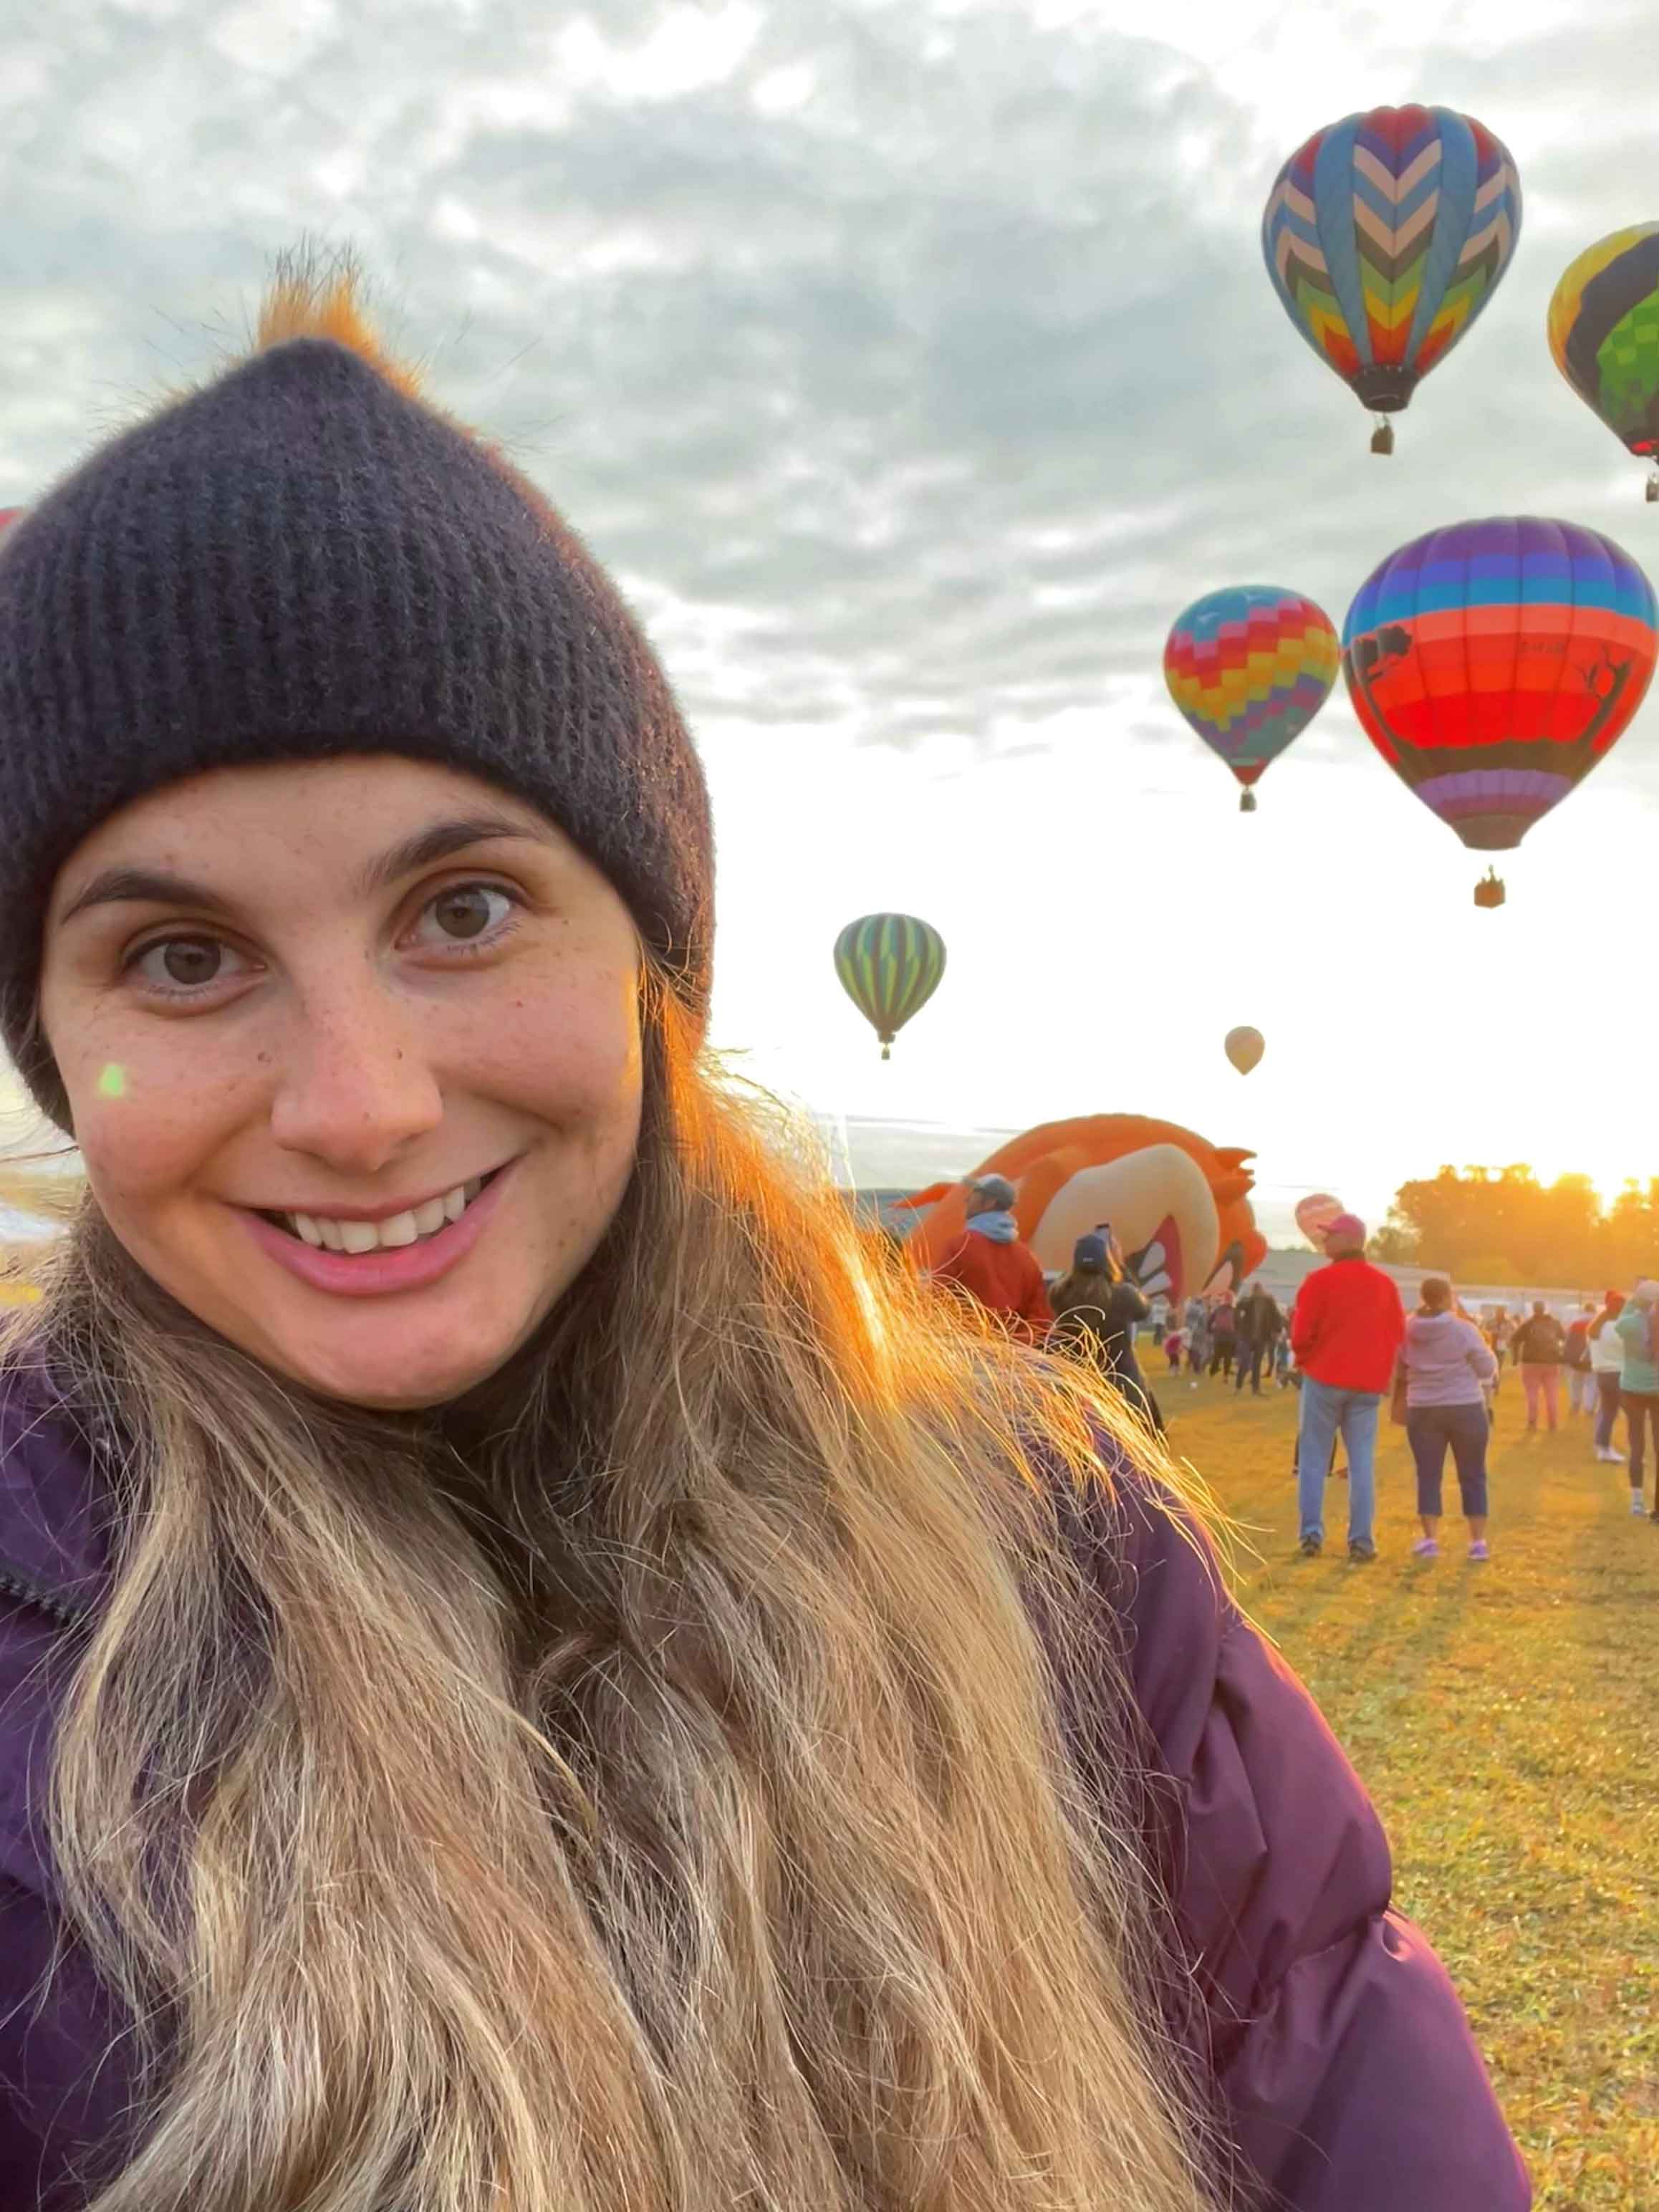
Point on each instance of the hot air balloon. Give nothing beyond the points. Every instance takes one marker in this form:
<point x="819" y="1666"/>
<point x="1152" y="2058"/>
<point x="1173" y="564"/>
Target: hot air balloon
<point x="1249" y="668"/>
<point x="890" y="966"/>
<point x="1604" y="334"/>
<point x="1385" y="236"/>
<point x="1314" y="1214"/>
<point x="1244" y="1047"/>
<point x="1494" y="663"/>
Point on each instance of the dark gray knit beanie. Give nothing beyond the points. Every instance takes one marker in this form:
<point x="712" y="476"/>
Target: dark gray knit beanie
<point x="300" y="562"/>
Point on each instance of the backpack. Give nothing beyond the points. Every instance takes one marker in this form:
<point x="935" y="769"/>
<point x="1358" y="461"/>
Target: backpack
<point x="1545" y="1341"/>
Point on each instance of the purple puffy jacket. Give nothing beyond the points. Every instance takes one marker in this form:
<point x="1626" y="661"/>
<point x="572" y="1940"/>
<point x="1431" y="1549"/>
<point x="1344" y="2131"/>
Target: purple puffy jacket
<point x="1337" y="2049"/>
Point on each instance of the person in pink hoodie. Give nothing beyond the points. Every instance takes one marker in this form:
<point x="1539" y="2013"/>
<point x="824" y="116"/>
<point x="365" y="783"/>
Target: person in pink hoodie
<point x="1447" y="1366"/>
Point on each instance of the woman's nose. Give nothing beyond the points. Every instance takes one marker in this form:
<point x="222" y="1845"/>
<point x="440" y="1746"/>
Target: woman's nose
<point x="356" y="1086"/>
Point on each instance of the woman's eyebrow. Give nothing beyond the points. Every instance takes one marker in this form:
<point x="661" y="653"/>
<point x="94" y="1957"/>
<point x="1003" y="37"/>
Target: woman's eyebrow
<point x="427" y="847"/>
<point x="424" y="849"/>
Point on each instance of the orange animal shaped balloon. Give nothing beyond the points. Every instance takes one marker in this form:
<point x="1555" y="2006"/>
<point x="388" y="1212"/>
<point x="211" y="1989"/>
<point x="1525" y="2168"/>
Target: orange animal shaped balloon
<point x="1178" y="1206"/>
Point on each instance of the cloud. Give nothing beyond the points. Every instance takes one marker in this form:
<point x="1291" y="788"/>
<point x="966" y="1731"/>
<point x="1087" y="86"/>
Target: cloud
<point x="913" y="363"/>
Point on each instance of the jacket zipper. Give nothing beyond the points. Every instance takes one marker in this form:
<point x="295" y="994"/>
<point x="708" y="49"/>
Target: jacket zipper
<point x="12" y="1584"/>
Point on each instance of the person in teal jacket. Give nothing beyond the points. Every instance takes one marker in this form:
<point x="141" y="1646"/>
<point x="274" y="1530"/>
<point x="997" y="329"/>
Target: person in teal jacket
<point x="1638" y="1392"/>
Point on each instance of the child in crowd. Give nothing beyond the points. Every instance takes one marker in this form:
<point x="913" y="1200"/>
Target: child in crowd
<point x="1174" y="1343"/>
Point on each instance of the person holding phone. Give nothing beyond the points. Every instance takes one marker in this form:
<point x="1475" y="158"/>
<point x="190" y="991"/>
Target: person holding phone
<point x="1097" y="1309"/>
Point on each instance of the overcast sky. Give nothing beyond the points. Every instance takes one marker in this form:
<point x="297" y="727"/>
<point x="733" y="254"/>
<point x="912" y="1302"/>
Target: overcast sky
<point x="913" y="365"/>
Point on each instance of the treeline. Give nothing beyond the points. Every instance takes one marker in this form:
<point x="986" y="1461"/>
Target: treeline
<point x="1503" y="1225"/>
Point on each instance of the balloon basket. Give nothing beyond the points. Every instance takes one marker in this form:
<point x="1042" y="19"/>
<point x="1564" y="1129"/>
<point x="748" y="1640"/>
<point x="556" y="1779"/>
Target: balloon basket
<point x="1490" y="890"/>
<point x="1247" y="802"/>
<point x="887" y="1052"/>
<point x="1382" y="437"/>
<point x="1653" y="488"/>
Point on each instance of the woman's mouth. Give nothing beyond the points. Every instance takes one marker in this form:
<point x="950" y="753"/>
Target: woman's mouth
<point x="323" y="1233"/>
<point x="370" y="1258"/>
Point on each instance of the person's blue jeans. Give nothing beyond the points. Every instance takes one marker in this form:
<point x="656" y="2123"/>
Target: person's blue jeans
<point x="1326" y="1413"/>
<point x="1430" y="1430"/>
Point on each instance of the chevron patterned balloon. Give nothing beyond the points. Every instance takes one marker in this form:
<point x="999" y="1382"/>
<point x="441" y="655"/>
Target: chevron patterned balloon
<point x="1385" y="236"/>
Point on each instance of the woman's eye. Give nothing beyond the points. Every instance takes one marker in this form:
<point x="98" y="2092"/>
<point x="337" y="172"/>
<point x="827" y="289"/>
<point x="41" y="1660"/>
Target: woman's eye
<point x="186" y="963"/>
<point x="464" y="914"/>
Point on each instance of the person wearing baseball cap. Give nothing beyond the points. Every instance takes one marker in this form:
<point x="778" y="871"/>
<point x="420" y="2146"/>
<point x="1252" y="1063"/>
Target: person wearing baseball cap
<point x="995" y="1267"/>
<point x="1347" y="1335"/>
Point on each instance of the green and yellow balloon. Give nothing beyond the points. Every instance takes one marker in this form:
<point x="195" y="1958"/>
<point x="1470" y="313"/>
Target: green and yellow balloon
<point x="890" y="966"/>
<point x="1604" y="334"/>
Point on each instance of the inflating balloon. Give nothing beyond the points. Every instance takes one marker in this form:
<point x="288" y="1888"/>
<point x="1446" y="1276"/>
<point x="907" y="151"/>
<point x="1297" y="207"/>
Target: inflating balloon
<point x="890" y="966"/>
<point x="1314" y="1215"/>
<point x="1179" y="1206"/>
<point x="1494" y="663"/>
<point x="1604" y="334"/>
<point x="1244" y="1047"/>
<point x="1385" y="236"/>
<point x="1249" y="668"/>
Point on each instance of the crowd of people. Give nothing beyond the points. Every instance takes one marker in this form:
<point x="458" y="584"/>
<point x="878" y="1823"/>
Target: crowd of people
<point x="1347" y="1345"/>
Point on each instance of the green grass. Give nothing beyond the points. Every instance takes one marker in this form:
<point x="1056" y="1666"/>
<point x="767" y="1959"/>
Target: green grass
<point x="1504" y="1718"/>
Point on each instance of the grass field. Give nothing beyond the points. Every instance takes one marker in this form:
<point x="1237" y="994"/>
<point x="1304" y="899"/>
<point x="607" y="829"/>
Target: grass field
<point x="1504" y="1718"/>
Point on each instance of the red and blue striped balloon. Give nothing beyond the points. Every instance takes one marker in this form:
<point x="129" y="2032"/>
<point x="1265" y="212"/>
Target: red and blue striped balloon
<point x="1494" y="663"/>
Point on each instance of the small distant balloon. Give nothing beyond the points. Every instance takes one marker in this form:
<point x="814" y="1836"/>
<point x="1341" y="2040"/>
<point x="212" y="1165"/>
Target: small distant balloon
<point x="1244" y="1047"/>
<point x="890" y="966"/>
<point x="1314" y="1215"/>
<point x="1249" y="668"/>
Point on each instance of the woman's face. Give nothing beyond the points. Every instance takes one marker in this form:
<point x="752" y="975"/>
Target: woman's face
<point x="353" y="1052"/>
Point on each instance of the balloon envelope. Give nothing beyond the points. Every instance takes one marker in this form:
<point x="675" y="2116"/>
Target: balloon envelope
<point x="1249" y="668"/>
<point x="1492" y="665"/>
<point x="1179" y="1205"/>
<point x="1604" y="334"/>
<point x="1385" y="236"/>
<point x="890" y="966"/>
<point x="1314" y="1216"/>
<point x="1244" y="1047"/>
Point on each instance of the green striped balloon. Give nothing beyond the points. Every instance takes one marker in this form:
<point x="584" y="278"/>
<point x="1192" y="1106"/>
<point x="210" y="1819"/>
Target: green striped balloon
<point x="890" y="966"/>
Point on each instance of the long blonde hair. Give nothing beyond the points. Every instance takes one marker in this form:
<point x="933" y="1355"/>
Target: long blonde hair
<point x="642" y="1787"/>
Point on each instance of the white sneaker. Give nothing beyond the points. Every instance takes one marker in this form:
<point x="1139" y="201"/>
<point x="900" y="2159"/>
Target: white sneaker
<point x="1636" y="1504"/>
<point x="1609" y="1457"/>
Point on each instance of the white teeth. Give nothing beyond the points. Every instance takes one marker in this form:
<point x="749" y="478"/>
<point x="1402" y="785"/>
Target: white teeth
<point x="399" y="1229"/>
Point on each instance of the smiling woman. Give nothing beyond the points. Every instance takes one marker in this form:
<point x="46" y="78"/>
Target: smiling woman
<point x="328" y="1084"/>
<point x="534" y="1671"/>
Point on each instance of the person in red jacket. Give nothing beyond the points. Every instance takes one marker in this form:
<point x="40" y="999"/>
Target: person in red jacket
<point x="1347" y="1335"/>
<point x="993" y="1267"/>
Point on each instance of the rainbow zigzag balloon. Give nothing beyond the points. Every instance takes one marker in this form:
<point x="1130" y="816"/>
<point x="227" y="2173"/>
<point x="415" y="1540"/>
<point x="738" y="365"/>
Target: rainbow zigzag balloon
<point x="1385" y="236"/>
<point x="1249" y="668"/>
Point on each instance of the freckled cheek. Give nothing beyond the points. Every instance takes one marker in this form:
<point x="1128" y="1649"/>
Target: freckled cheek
<point x="146" y="1123"/>
<point x="571" y="1059"/>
